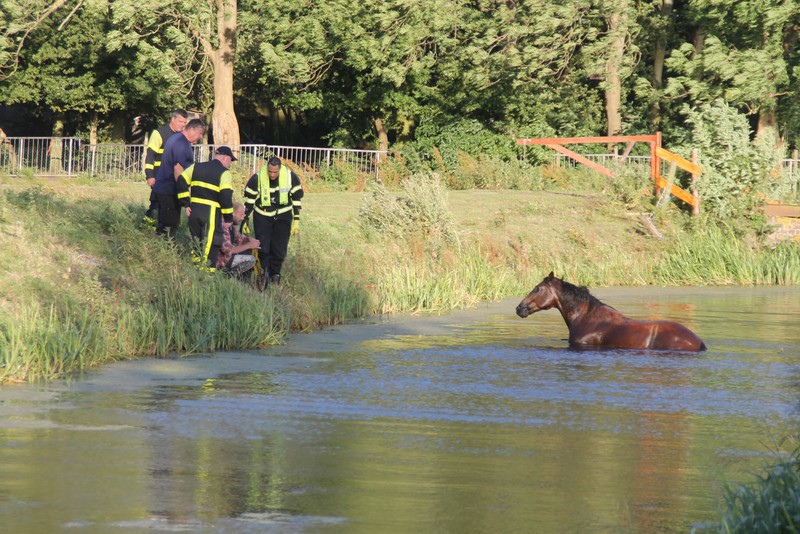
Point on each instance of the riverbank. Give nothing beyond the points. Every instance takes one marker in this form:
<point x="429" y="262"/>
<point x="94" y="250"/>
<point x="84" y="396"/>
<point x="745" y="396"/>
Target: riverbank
<point x="86" y="284"/>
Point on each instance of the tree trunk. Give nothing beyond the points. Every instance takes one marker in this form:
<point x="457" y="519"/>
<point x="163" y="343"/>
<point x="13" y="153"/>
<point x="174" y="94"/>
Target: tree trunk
<point x="224" y="126"/>
<point x="383" y="135"/>
<point x="768" y="125"/>
<point x="93" y="126"/>
<point x="56" y="149"/>
<point x="658" y="61"/>
<point x="617" y="25"/>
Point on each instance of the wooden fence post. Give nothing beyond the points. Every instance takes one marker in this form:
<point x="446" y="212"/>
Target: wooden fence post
<point x="696" y="206"/>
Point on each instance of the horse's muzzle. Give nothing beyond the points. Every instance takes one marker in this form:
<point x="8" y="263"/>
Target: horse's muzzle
<point x="522" y="311"/>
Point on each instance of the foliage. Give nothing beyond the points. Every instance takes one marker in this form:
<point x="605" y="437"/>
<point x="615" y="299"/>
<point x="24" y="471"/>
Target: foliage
<point x="770" y="503"/>
<point x="736" y="172"/>
<point x="422" y="210"/>
<point x="452" y="138"/>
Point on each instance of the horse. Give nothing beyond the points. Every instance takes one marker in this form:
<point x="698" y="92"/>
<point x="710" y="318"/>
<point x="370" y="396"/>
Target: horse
<point x="592" y="323"/>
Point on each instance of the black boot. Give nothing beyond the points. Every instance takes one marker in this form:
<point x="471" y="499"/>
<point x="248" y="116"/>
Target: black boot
<point x="275" y="279"/>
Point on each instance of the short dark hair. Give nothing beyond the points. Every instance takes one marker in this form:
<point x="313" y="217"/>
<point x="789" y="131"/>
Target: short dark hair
<point x="274" y="161"/>
<point x="180" y="112"/>
<point x="196" y="123"/>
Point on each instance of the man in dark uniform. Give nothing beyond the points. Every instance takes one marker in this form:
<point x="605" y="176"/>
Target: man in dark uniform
<point x="152" y="159"/>
<point x="206" y="191"/>
<point x="178" y="156"/>
<point x="273" y="195"/>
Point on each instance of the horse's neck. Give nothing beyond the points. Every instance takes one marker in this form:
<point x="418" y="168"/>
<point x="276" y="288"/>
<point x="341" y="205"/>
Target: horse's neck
<point x="585" y="309"/>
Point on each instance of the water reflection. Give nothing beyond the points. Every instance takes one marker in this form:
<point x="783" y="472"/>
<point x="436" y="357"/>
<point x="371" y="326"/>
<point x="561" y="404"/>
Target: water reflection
<point x="473" y="422"/>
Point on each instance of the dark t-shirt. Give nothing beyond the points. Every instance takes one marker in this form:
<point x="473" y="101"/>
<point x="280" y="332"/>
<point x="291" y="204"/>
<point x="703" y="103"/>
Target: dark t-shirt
<point x="177" y="149"/>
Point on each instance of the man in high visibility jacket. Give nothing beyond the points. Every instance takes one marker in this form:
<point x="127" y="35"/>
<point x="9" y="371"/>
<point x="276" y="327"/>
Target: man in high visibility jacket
<point x="206" y="191"/>
<point x="152" y="159"/>
<point x="273" y="195"/>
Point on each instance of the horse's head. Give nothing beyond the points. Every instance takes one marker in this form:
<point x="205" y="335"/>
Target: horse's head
<point x="542" y="297"/>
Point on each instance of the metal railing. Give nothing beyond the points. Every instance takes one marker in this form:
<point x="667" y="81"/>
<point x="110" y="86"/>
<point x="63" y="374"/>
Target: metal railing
<point x="42" y="155"/>
<point x="69" y="156"/>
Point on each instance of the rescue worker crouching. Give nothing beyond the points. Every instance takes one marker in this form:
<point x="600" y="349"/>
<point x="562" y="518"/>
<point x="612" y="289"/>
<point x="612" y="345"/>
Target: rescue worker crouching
<point x="273" y="195"/>
<point x="206" y="191"/>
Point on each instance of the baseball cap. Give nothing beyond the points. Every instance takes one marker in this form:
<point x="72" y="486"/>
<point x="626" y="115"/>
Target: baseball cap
<point x="225" y="151"/>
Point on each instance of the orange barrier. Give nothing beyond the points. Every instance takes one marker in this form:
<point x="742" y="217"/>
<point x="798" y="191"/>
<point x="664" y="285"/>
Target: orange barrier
<point x="656" y="155"/>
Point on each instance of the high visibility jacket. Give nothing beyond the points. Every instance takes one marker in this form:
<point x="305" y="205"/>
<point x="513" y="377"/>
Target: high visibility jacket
<point x="207" y="184"/>
<point x="155" y="149"/>
<point x="273" y="198"/>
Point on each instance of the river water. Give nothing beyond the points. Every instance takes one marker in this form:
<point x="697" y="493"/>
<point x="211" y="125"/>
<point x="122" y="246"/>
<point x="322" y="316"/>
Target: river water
<point x="471" y="422"/>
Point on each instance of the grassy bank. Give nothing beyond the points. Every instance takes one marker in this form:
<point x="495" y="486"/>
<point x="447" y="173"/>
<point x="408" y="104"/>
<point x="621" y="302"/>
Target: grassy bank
<point x="84" y="284"/>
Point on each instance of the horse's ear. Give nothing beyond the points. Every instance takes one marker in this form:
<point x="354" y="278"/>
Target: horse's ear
<point x="550" y="276"/>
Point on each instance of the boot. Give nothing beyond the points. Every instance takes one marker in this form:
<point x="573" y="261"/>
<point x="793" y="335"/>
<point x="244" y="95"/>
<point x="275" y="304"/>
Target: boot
<point x="275" y="279"/>
<point x="261" y="281"/>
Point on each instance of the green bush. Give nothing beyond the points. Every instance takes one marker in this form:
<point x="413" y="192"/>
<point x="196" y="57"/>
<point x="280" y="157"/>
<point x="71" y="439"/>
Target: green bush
<point x="736" y="171"/>
<point x="422" y="208"/>
<point x="770" y="503"/>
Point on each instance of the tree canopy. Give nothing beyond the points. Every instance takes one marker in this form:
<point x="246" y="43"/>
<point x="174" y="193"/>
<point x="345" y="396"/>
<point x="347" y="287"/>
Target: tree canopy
<point x="377" y="73"/>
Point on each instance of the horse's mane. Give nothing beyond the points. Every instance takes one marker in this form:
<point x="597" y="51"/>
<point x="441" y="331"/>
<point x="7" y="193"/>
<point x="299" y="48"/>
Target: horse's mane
<point x="574" y="295"/>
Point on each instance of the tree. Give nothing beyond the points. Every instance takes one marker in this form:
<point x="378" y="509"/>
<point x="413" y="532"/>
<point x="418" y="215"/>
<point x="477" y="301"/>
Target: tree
<point x="204" y="36"/>
<point x="747" y="57"/>
<point x="18" y="19"/>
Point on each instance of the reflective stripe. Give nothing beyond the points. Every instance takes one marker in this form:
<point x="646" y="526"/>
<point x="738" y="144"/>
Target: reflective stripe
<point x="272" y="213"/>
<point x="212" y="203"/>
<point x="206" y="185"/>
<point x="212" y="227"/>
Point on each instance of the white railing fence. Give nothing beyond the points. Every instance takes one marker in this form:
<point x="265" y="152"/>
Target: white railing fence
<point x="68" y="156"/>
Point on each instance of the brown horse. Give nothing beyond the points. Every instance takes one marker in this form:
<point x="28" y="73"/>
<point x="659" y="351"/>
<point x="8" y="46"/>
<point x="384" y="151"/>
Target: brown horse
<point x="592" y="323"/>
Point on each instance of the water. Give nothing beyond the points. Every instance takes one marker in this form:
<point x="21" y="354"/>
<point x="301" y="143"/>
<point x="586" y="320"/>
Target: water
<point x="476" y="421"/>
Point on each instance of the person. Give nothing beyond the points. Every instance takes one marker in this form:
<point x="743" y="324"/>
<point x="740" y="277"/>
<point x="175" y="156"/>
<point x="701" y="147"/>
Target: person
<point x="273" y="195"/>
<point x="152" y="159"/>
<point x="206" y="191"/>
<point x="235" y="257"/>
<point x="178" y="156"/>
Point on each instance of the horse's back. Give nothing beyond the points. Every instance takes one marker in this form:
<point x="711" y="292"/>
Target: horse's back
<point x="675" y="336"/>
<point x="624" y="332"/>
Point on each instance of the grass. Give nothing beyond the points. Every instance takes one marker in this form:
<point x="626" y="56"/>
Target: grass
<point x="85" y="284"/>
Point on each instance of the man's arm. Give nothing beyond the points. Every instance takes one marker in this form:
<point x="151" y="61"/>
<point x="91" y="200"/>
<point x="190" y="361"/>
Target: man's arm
<point x="177" y="171"/>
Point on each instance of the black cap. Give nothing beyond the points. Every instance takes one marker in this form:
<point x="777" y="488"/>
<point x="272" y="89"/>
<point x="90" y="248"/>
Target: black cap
<point x="225" y="151"/>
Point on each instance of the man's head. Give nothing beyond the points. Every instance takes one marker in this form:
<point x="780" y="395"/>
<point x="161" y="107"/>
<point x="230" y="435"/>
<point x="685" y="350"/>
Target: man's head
<point x="238" y="212"/>
<point x="178" y="120"/>
<point x="225" y="156"/>
<point x="273" y="167"/>
<point x="194" y="130"/>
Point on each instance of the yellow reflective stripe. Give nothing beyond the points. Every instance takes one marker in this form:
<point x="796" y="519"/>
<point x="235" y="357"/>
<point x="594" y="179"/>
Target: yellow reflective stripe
<point x="148" y="165"/>
<point x="183" y="194"/>
<point x="206" y="185"/>
<point x="272" y="213"/>
<point x="206" y="202"/>
<point x="227" y="211"/>
<point x="212" y="224"/>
